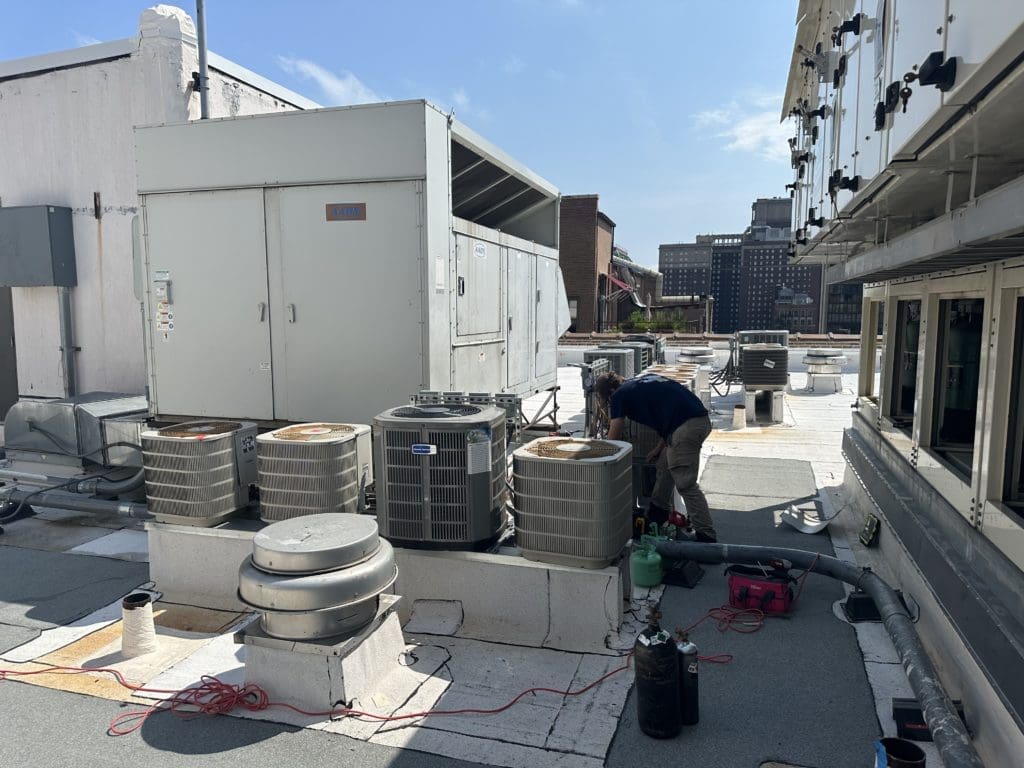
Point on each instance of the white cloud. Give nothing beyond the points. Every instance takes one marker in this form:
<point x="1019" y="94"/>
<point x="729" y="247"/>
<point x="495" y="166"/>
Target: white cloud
<point x="339" y="89"/>
<point x="513" y="65"/>
<point x="461" y="102"/>
<point x="83" y="40"/>
<point x="752" y="127"/>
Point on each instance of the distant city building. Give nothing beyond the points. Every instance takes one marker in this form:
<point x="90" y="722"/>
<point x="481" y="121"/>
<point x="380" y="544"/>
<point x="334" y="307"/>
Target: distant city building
<point x="602" y="283"/>
<point x="745" y="274"/>
<point x="844" y="308"/>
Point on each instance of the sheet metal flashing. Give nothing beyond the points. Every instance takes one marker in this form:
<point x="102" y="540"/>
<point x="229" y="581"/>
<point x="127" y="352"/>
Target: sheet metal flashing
<point x="929" y="530"/>
<point x="75" y="57"/>
<point x="260" y="83"/>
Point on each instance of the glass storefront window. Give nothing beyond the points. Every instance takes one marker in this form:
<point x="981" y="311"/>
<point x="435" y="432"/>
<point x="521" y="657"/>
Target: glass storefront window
<point x="1013" y="492"/>
<point x="906" y="337"/>
<point x="957" y="371"/>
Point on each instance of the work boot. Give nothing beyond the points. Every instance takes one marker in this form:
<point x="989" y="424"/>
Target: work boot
<point x="705" y="538"/>
<point x="656" y="514"/>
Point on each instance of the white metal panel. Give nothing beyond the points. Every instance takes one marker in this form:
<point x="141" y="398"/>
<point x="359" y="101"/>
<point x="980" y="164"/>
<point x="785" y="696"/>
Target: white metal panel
<point x="210" y="349"/>
<point x="521" y="295"/>
<point x="381" y="141"/>
<point x="545" y="360"/>
<point x="339" y="289"/>
<point x="477" y="287"/>
<point x="918" y="30"/>
<point x="870" y="91"/>
<point x="846" y="119"/>
<point x="984" y="37"/>
<point x="479" y="367"/>
<point x="439" y="244"/>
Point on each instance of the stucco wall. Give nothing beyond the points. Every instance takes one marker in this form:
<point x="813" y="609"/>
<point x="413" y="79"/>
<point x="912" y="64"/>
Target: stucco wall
<point x="67" y="135"/>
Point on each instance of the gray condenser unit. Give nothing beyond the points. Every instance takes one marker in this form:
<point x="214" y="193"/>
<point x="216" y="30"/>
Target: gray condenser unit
<point x="657" y="345"/>
<point x="306" y="469"/>
<point x="199" y="472"/>
<point x="440" y="475"/>
<point x="764" y="366"/>
<point x="643" y="353"/>
<point x="620" y="359"/>
<point x="573" y="500"/>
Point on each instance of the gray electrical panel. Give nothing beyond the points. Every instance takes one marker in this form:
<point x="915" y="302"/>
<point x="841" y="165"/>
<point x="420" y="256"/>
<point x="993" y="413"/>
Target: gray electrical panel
<point x="37" y="247"/>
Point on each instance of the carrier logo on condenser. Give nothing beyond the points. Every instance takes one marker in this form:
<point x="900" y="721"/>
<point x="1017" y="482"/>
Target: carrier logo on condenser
<point x="346" y="211"/>
<point x="423" y="449"/>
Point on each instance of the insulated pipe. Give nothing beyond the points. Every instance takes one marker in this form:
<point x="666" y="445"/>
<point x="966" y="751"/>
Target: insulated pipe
<point x="77" y="503"/>
<point x="204" y="82"/>
<point x="948" y="731"/>
<point x="111" y="488"/>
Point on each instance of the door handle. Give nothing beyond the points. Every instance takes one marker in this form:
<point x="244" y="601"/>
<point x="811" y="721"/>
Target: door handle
<point x="510" y="323"/>
<point x="462" y="286"/>
<point x="291" y="313"/>
<point x="262" y="309"/>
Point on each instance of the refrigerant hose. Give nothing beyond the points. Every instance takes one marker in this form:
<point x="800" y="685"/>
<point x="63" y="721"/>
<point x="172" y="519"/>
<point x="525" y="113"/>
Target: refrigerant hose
<point x="948" y="731"/>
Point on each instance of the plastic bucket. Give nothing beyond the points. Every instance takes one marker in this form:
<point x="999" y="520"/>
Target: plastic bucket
<point x="898" y="753"/>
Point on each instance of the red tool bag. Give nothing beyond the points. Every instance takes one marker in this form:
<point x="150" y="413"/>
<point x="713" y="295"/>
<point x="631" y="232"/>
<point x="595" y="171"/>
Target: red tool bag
<point x="768" y="588"/>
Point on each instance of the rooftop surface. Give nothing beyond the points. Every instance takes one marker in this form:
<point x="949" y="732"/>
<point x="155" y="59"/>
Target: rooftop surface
<point x="808" y="690"/>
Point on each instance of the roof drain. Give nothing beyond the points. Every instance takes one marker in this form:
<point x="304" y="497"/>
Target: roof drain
<point x="948" y="731"/>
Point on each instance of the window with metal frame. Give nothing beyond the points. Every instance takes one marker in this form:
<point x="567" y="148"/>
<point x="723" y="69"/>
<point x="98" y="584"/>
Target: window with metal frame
<point x="906" y="336"/>
<point x="957" y="373"/>
<point x="1013" y="490"/>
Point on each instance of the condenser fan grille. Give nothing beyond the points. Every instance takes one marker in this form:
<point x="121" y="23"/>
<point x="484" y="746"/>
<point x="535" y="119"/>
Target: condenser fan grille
<point x="311" y="433"/>
<point x="434" y="411"/>
<point x="200" y="429"/>
<point x="573" y="449"/>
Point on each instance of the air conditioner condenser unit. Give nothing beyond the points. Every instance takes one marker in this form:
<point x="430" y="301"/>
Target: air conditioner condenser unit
<point x="573" y="500"/>
<point x="441" y="474"/>
<point x="199" y="472"/>
<point x="308" y="469"/>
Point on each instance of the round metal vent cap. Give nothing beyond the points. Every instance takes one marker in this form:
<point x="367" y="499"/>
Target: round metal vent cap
<point x="315" y="591"/>
<point x="315" y="543"/>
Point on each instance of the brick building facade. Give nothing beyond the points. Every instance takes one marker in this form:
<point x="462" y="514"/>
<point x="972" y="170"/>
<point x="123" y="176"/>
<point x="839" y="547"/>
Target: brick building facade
<point x="585" y="253"/>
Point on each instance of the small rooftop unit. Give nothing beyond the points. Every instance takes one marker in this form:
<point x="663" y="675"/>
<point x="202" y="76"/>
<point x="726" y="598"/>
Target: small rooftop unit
<point x="764" y="366"/>
<point x="440" y="475"/>
<point x="199" y="472"/>
<point x="307" y="469"/>
<point x="620" y="359"/>
<point x="573" y="500"/>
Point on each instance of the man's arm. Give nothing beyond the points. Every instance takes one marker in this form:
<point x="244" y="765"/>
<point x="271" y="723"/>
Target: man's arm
<point x="616" y="429"/>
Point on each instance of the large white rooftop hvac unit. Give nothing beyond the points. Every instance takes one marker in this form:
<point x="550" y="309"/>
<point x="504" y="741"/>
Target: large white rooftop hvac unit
<point x="573" y="500"/>
<point x="440" y="475"/>
<point x="199" y="472"/>
<point x="621" y="359"/>
<point x="306" y="469"/>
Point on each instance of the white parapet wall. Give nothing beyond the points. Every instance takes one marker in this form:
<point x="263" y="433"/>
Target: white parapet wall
<point x="500" y="598"/>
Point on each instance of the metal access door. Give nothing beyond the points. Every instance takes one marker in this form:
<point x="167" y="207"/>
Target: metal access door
<point x="521" y="299"/>
<point x="477" y="287"/>
<point x="208" y="317"/>
<point x="8" y="363"/>
<point x="545" y="359"/>
<point x="345" y="295"/>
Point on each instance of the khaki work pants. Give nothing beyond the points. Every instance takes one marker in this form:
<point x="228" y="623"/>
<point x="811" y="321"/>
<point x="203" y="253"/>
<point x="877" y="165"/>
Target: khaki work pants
<point x="679" y="465"/>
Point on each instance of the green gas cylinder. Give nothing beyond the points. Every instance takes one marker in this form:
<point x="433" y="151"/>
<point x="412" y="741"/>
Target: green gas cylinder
<point x="645" y="564"/>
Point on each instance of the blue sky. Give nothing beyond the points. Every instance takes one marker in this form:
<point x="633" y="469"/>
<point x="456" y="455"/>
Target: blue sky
<point x="667" y="110"/>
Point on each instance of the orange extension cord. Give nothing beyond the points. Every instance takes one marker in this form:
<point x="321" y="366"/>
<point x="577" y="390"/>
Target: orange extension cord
<point x="215" y="697"/>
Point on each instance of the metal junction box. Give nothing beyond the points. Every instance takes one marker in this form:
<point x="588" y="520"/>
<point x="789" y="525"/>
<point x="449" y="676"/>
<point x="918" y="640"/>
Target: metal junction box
<point x="37" y="247"/>
<point x="324" y="265"/>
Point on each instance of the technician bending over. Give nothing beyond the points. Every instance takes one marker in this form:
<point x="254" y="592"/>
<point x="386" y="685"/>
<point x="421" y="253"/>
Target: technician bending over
<point x="682" y="422"/>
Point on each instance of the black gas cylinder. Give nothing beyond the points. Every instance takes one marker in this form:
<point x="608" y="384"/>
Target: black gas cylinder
<point x="689" y="706"/>
<point x="657" y="682"/>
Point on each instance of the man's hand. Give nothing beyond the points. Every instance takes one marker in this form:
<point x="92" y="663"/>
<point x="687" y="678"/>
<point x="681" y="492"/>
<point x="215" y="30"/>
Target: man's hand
<point x="617" y="427"/>
<point x="654" y="454"/>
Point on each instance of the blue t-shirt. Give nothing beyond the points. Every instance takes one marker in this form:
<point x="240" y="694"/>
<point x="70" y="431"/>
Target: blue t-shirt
<point x="656" y="402"/>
